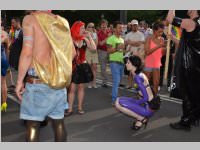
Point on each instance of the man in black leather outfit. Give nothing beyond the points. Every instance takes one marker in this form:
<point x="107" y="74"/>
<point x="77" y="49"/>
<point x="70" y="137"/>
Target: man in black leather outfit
<point x="187" y="68"/>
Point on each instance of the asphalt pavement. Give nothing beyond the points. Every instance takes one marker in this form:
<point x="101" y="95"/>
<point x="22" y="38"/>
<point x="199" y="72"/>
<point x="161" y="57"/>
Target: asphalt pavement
<point x="102" y="122"/>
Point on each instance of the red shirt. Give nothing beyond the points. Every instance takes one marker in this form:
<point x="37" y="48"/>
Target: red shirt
<point x="80" y="55"/>
<point x="102" y="36"/>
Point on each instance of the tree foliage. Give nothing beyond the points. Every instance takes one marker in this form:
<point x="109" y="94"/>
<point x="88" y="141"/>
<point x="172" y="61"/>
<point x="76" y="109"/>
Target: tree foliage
<point x="96" y="15"/>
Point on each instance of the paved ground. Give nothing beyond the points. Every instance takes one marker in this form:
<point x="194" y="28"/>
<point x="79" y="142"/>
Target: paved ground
<point x="102" y="123"/>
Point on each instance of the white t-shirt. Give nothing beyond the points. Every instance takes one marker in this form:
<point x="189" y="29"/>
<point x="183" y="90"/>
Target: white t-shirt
<point x="148" y="32"/>
<point x="17" y="33"/>
<point x="135" y="36"/>
<point x="94" y="35"/>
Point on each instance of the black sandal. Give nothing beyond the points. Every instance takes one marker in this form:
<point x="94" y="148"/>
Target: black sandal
<point x="68" y="113"/>
<point x="143" y="122"/>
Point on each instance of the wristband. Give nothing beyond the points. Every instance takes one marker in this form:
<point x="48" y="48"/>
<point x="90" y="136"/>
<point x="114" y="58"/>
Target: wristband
<point x="177" y="21"/>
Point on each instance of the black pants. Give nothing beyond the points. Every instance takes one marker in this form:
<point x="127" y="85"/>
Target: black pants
<point x="190" y="89"/>
<point x="162" y="69"/>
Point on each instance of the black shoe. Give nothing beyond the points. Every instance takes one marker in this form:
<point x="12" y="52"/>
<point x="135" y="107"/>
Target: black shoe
<point x="142" y="122"/>
<point x="121" y="85"/>
<point x="44" y="123"/>
<point x="12" y="86"/>
<point x="196" y="123"/>
<point x="180" y="126"/>
<point x="68" y="113"/>
<point x="105" y="86"/>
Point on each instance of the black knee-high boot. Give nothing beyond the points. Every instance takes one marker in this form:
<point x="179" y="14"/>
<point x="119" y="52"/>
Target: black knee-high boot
<point x="32" y="133"/>
<point x="59" y="130"/>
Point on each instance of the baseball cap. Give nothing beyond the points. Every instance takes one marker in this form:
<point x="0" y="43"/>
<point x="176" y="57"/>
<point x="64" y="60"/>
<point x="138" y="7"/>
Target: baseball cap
<point x="134" y="22"/>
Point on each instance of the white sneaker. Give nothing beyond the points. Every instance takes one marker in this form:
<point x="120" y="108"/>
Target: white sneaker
<point x="89" y="87"/>
<point x="159" y="88"/>
<point x="95" y="86"/>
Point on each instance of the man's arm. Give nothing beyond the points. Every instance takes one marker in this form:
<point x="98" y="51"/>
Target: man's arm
<point x="26" y="53"/>
<point x="187" y="24"/>
<point x="73" y="52"/>
<point x="110" y="49"/>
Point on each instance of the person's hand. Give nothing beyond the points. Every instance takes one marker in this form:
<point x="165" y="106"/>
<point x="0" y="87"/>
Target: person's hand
<point x="128" y="42"/>
<point x="170" y="16"/>
<point x="169" y="36"/>
<point x="19" y="90"/>
<point x="120" y="46"/>
<point x="137" y="44"/>
<point x="87" y="34"/>
<point x="163" y="44"/>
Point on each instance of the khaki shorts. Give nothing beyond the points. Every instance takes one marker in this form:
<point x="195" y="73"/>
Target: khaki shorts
<point x="92" y="56"/>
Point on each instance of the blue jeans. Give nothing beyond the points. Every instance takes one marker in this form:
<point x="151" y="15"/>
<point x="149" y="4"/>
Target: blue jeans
<point x="117" y="73"/>
<point x="40" y="101"/>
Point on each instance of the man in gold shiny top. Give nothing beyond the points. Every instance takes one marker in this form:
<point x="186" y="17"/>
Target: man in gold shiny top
<point x="46" y="66"/>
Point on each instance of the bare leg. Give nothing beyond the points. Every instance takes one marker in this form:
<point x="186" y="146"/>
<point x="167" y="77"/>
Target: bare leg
<point x="59" y="130"/>
<point x="72" y="89"/>
<point x="32" y="131"/>
<point x="81" y="95"/>
<point x="156" y="80"/>
<point x="94" y="71"/>
<point x="4" y="93"/>
<point x="11" y="77"/>
<point x="149" y="75"/>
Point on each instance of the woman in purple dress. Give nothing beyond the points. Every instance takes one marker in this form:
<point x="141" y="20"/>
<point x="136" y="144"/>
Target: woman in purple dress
<point x="138" y="108"/>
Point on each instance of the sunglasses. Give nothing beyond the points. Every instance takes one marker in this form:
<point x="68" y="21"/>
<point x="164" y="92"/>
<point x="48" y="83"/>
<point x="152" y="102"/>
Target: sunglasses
<point x="91" y="27"/>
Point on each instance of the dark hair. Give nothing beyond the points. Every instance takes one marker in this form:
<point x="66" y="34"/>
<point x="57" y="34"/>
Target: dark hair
<point x="198" y="11"/>
<point x="158" y="25"/>
<point x="137" y="62"/>
<point x="17" y="20"/>
<point x="104" y="21"/>
<point x="116" y="23"/>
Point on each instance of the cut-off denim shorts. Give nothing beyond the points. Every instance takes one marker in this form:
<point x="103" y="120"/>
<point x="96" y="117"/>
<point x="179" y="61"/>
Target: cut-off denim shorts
<point x="40" y="101"/>
<point x="150" y="69"/>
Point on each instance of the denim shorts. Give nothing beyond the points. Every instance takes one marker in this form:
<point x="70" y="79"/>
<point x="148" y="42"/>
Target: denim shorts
<point x="40" y="101"/>
<point x="150" y="69"/>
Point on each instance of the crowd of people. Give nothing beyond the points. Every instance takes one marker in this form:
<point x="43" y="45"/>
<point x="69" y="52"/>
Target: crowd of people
<point x="49" y="74"/>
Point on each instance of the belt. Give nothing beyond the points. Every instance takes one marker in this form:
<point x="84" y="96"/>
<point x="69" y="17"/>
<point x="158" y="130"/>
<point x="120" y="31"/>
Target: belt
<point x="32" y="80"/>
<point x="118" y="62"/>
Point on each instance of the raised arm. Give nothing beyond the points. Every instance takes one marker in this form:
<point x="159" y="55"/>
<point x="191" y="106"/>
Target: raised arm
<point x="147" y="49"/>
<point x="90" y="42"/>
<point x="187" y="24"/>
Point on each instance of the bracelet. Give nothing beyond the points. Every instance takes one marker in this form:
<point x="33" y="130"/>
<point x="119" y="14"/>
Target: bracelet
<point x="177" y="21"/>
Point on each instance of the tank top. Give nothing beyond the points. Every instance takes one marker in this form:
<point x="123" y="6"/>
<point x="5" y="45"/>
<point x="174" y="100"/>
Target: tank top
<point x="154" y="59"/>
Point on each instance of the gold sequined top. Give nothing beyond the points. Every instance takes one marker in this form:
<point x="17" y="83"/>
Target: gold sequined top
<point x="58" y="73"/>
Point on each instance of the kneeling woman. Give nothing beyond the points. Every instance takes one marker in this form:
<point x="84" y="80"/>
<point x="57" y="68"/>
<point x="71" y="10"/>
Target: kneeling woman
<point x="137" y="108"/>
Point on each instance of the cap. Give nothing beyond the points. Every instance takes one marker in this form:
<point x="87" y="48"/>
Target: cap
<point x="134" y="22"/>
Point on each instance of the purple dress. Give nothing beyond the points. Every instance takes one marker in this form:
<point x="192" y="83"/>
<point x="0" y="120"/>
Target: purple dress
<point x="138" y="106"/>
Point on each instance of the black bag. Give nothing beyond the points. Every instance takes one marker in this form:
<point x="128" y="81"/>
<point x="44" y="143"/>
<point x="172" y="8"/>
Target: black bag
<point x="155" y="103"/>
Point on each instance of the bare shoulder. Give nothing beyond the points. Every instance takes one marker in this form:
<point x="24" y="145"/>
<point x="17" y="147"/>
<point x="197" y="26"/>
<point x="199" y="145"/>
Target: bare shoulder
<point x="5" y="33"/>
<point x="28" y="19"/>
<point x="148" y="38"/>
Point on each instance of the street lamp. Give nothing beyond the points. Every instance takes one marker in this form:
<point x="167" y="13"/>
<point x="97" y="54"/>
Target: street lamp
<point x="102" y="16"/>
<point x="123" y="16"/>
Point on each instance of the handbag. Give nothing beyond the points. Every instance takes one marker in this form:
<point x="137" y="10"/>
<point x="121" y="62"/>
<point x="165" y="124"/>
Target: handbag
<point x="155" y="103"/>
